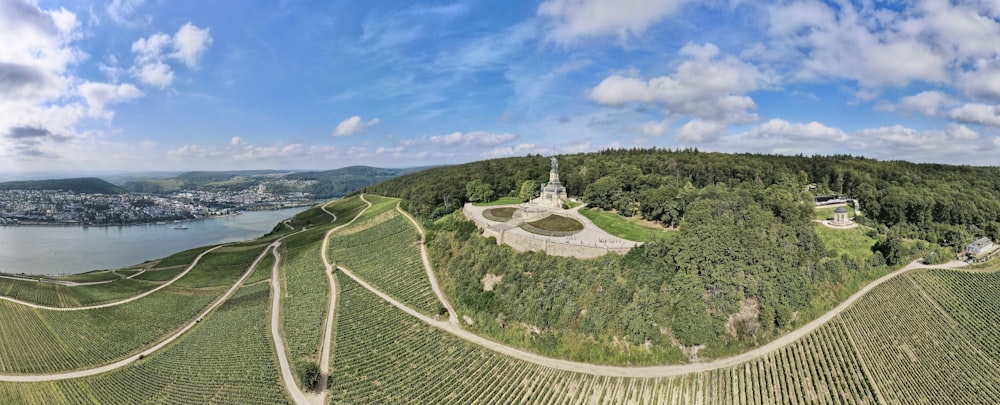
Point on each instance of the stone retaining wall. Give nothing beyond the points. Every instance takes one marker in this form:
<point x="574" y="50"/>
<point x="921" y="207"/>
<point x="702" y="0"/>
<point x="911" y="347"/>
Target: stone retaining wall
<point x="536" y="243"/>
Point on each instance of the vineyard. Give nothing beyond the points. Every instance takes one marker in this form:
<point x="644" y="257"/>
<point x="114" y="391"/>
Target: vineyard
<point x="925" y="336"/>
<point x="41" y="341"/>
<point x="838" y="363"/>
<point x="226" y="359"/>
<point x="63" y="296"/>
<point x="54" y="294"/>
<point x="384" y="250"/>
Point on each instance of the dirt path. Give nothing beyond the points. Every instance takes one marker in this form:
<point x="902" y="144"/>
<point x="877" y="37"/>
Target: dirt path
<point x="452" y="315"/>
<point x="120" y="302"/>
<point x="326" y="350"/>
<point x="279" y="342"/>
<point x="151" y="350"/>
<point x="654" y="371"/>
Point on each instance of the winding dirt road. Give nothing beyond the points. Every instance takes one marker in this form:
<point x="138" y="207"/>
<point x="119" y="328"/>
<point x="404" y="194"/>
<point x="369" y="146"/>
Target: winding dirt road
<point x="653" y="371"/>
<point x="452" y="315"/>
<point x="119" y="302"/>
<point x="153" y="349"/>
<point x="279" y="342"/>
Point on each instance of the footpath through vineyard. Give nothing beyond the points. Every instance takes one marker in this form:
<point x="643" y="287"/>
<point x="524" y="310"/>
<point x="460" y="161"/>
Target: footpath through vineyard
<point x="145" y="353"/>
<point x="119" y="302"/>
<point x="652" y="371"/>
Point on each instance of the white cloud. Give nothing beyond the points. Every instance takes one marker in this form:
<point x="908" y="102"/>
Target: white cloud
<point x="976" y="113"/>
<point x="123" y="11"/>
<point x="929" y="103"/>
<point x="151" y="49"/>
<point x="156" y="74"/>
<point x="698" y="130"/>
<point x="655" y="128"/>
<point x="877" y="44"/>
<point x="353" y="126"/>
<point x="515" y="150"/>
<point x="890" y="141"/>
<point x="475" y="138"/>
<point x="100" y="94"/>
<point x="812" y="131"/>
<point x="570" y="20"/>
<point x="706" y="86"/>
<point x="190" y="42"/>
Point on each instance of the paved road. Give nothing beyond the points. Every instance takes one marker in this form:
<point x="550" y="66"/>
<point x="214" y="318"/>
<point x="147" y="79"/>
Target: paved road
<point x="645" y="372"/>
<point x="120" y="302"/>
<point x="151" y="350"/>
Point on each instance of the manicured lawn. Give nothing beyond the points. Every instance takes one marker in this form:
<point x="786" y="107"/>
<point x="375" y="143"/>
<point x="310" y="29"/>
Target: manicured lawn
<point x="826" y="213"/>
<point x="626" y="228"/>
<point x="501" y="201"/>
<point x="853" y="241"/>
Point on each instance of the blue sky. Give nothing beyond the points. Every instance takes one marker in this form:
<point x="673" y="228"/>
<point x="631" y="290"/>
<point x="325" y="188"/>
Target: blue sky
<point x="175" y="85"/>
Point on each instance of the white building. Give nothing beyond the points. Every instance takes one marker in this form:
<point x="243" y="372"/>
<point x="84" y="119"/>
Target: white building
<point x="979" y="246"/>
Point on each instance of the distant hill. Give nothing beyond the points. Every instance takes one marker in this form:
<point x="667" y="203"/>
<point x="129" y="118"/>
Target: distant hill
<point x="325" y="184"/>
<point x="83" y="185"/>
<point x="340" y="182"/>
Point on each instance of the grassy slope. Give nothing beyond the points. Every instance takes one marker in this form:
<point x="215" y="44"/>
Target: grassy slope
<point x="625" y="228"/>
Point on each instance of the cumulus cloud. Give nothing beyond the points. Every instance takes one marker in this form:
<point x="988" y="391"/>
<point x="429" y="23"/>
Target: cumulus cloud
<point x="779" y="128"/>
<point x="124" y="11"/>
<point x="475" y="138"/>
<point x="570" y="20"/>
<point x="654" y="128"/>
<point x="190" y="42"/>
<point x="514" y="150"/>
<point x="98" y="95"/>
<point x="706" y="86"/>
<point x="187" y="45"/>
<point x="930" y="103"/>
<point x="881" y="44"/>
<point x="354" y="126"/>
<point x="977" y="113"/>
<point x="698" y="130"/>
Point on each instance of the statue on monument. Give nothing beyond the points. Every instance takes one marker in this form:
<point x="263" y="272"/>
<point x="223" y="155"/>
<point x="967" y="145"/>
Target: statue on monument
<point x="555" y="164"/>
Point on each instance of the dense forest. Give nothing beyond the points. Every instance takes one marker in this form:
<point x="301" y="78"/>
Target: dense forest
<point x="938" y="203"/>
<point x="747" y="262"/>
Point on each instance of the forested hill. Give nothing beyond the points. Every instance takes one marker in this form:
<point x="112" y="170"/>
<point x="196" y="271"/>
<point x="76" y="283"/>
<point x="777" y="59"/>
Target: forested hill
<point x="938" y="203"/>
<point x="339" y="182"/>
<point x="321" y="185"/>
<point x="83" y="185"/>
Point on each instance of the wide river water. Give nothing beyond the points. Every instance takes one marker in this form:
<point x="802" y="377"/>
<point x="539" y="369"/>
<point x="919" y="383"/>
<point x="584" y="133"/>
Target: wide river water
<point x="68" y="250"/>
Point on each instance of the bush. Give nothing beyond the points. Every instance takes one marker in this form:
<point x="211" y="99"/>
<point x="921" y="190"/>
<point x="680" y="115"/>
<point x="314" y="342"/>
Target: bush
<point x="310" y="374"/>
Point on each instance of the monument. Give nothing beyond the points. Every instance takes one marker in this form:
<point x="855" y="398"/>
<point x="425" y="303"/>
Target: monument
<point x="553" y="193"/>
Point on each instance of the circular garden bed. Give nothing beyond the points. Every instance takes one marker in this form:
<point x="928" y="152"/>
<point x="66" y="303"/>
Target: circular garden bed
<point x="501" y="214"/>
<point x="553" y="225"/>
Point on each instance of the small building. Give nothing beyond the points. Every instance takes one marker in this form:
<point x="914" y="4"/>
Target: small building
<point x="840" y="216"/>
<point x="979" y="246"/>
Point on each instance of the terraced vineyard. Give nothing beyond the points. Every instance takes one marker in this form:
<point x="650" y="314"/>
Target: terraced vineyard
<point x="918" y="351"/>
<point x="54" y="294"/>
<point x="384" y="250"/>
<point x="228" y="358"/>
<point x="838" y="363"/>
<point x="305" y="295"/>
<point x="305" y="290"/>
<point x="63" y="296"/>
<point x="42" y="341"/>
<point x="926" y="336"/>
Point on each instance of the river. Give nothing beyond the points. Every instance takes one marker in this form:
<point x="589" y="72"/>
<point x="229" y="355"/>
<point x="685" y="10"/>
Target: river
<point x="69" y="250"/>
